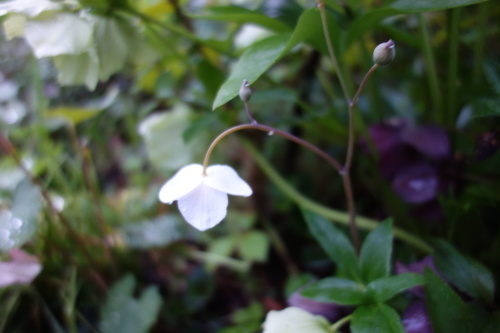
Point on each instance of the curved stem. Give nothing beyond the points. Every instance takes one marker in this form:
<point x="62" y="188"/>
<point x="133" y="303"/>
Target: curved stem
<point x="271" y="131"/>
<point x="331" y="214"/>
<point x="339" y="323"/>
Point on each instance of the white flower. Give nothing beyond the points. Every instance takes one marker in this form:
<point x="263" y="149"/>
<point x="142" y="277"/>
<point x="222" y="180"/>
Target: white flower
<point x="22" y="269"/>
<point x="202" y="199"/>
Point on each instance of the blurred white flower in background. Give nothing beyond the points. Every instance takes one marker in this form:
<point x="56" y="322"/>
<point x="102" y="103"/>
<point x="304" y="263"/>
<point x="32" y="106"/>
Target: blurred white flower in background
<point x="22" y="269"/>
<point x="85" y="48"/>
<point x="202" y="199"/>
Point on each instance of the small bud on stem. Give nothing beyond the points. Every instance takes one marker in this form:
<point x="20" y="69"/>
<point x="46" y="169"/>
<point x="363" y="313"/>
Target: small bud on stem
<point x="384" y="53"/>
<point x="245" y="91"/>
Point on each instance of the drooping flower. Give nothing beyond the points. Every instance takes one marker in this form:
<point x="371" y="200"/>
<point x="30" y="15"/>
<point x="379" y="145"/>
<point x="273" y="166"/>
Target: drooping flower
<point x="202" y="198"/>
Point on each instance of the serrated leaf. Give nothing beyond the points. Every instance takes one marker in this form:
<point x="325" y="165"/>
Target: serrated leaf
<point x="242" y="15"/>
<point x="385" y="288"/>
<point x="253" y="246"/>
<point x="375" y="257"/>
<point x="447" y="311"/>
<point x="467" y="274"/>
<point x="336" y="290"/>
<point x="378" y="318"/>
<point x="334" y="243"/>
<point x="295" y="320"/>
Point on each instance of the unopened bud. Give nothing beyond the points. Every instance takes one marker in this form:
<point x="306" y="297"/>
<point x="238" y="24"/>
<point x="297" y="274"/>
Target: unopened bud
<point x="384" y="53"/>
<point x="245" y="91"/>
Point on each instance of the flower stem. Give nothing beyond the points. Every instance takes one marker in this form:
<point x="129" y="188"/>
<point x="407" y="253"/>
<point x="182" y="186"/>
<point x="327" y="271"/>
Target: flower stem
<point x="331" y="214"/>
<point x="271" y="131"/>
<point x="453" y="65"/>
<point x="339" y="323"/>
<point x="333" y="58"/>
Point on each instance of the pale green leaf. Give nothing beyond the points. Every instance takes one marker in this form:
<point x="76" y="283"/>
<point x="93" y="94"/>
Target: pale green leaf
<point x="30" y="8"/>
<point x="123" y="313"/>
<point x="14" y="26"/>
<point x="58" y="33"/>
<point x="78" y="69"/>
<point x="162" y="134"/>
<point x="253" y="246"/>
<point x="18" y="225"/>
<point x="72" y="115"/>
<point x="112" y="39"/>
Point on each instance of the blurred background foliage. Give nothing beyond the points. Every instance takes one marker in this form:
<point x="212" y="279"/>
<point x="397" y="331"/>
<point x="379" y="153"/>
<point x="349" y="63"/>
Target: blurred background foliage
<point x="115" y="259"/>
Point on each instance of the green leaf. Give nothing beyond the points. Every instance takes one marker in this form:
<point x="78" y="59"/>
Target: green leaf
<point x="447" y="311"/>
<point x="375" y="257"/>
<point x="465" y="273"/>
<point x="378" y="318"/>
<point x="158" y="232"/>
<point x="242" y="15"/>
<point x="123" y="313"/>
<point x="72" y="115"/>
<point x="259" y="57"/>
<point x="295" y="320"/>
<point x="336" y="290"/>
<point x="431" y="5"/>
<point x="371" y="18"/>
<point x="385" y="288"/>
<point x="78" y="69"/>
<point x="163" y="136"/>
<point x="58" y="33"/>
<point x="18" y="225"/>
<point x="112" y="41"/>
<point x="223" y="246"/>
<point x="253" y="246"/>
<point x="252" y="64"/>
<point x="335" y="244"/>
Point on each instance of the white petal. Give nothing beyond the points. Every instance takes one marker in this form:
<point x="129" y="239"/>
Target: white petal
<point x="183" y="182"/>
<point x="204" y="207"/>
<point x="225" y="179"/>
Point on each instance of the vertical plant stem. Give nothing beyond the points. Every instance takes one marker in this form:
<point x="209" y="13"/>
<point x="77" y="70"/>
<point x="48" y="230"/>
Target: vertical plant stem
<point x="11" y="151"/>
<point x="479" y="45"/>
<point x="432" y="76"/>
<point x="333" y="57"/>
<point x="280" y="248"/>
<point x="346" y="180"/>
<point x="453" y="66"/>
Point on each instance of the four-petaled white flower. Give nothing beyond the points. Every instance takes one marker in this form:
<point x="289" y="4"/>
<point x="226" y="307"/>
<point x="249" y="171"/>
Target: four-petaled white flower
<point x="202" y="198"/>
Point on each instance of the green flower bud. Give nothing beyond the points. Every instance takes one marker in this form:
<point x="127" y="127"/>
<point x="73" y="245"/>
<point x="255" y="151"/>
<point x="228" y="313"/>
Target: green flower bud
<point x="245" y="92"/>
<point x="384" y="53"/>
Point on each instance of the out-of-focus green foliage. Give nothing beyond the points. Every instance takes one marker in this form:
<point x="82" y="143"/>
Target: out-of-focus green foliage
<point x="102" y="101"/>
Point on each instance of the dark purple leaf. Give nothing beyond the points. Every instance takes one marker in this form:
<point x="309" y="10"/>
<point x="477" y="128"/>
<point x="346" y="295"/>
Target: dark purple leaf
<point x="430" y="140"/>
<point x="415" y="318"/>
<point x="416" y="184"/>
